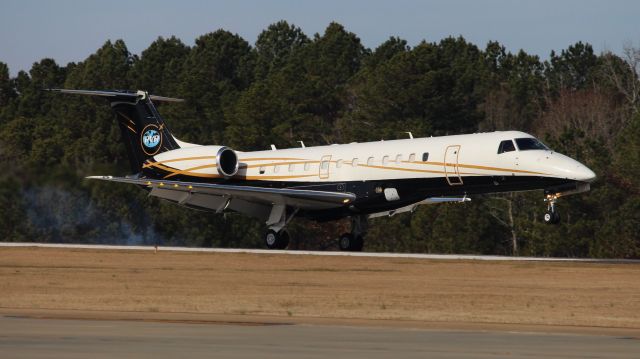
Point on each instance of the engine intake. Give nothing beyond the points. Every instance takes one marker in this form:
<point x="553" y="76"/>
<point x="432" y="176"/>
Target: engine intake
<point x="227" y="162"/>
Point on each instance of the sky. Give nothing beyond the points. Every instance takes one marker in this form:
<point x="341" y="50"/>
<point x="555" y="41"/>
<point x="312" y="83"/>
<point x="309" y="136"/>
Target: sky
<point x="71" y="30"/>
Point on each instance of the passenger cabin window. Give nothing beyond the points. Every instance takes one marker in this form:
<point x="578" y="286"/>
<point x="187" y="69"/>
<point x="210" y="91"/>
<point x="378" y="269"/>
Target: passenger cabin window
<point x="292" y="167"/>
<point x="529" y="143"/>
<point x="506" y="146"/>
<point x="276" y="168"/>
<point x="398" y="159"/>
<point x="385" y="160"/>
<point x="354" y="163"/>
<point x="370" y="161"/>
<point x="307" y="165"/>
<point x="425" y="157"/>
<point x="412" y="157"/>
<point x="262" y="169"/>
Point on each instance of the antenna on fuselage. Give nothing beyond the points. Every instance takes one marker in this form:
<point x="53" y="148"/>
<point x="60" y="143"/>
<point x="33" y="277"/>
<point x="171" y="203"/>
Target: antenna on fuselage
<point x="410" y="134"/>
<point x="273" y="147"/>
<point x="301" y="144"/>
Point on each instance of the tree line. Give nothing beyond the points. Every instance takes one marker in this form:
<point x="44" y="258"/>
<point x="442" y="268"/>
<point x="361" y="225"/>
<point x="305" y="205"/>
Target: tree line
<point x="327" y="88"/>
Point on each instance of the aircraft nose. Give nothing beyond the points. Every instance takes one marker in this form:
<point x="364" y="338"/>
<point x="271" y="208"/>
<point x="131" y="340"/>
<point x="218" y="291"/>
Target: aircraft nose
<point x="567" y="167"/>
<point x="583" y="173"/>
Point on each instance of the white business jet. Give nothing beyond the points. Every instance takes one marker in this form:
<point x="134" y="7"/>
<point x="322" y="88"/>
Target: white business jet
<point x="356" y="180"/>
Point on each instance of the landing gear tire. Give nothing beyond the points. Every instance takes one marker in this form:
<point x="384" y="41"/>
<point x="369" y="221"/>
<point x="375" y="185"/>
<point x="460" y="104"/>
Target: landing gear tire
<point x="284" y="239"/>
<point x="276" y="240"/>
<point x="358" y="243"/>
<point x="551" y="217"/>
<point x="349" y="242"/>
<point x="345" y="241"/>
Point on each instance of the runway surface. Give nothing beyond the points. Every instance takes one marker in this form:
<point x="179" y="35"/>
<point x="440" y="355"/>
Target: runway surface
<point x="79" y="301"/>
<point x="23" y="337"/>
<point x="321" y="253"/>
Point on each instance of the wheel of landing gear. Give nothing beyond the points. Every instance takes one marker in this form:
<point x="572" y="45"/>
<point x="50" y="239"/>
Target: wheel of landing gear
<point x="551" y="217"/>
<point x="345" y="242"/>
<point x="351" y="243"/>
<point x="271" y="239"/>
<point x="283" y="239"/>
<point x="276" y="240"/>
<point x="358" y="243"/>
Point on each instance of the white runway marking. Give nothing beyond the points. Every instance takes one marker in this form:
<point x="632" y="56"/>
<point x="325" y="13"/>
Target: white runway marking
<point x="322" y="253"/>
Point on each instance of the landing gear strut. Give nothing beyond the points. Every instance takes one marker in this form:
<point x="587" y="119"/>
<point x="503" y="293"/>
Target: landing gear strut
<point x="551" y="216"/>
<point x="354" y="241"/>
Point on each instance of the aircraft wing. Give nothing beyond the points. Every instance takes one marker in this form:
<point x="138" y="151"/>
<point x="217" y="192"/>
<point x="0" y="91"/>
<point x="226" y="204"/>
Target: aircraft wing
<point x="255" y="201"/>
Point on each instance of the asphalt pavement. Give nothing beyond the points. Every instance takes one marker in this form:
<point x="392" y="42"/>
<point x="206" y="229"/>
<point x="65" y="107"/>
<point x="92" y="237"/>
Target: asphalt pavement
<point x="26" y="337"/>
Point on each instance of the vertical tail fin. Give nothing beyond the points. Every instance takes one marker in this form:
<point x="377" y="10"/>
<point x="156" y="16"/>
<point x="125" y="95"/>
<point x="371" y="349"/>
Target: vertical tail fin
<point x="143" y="130"/>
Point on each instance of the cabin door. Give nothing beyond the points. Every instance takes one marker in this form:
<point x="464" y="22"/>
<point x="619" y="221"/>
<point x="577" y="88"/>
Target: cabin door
<point x="451" y="167"/>
<point x="325" y="164"/>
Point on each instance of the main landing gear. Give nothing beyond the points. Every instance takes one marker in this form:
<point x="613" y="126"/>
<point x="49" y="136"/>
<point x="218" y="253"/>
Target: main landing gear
<point x="551" y="216"/>
<point x="277" y="240"/>
<point x="354" y="241"/>
<point x="277" y="237"/>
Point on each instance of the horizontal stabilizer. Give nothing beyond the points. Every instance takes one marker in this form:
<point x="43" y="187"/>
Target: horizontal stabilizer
<point x="143" y="131"/>
<point x="165" y="99"/>
<point x="125" y="95"/>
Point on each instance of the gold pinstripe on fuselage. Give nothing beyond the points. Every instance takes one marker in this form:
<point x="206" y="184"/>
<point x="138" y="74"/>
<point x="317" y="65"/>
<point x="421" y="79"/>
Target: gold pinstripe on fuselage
<point x="284" y="161"/>
<point x="179" y="160"/>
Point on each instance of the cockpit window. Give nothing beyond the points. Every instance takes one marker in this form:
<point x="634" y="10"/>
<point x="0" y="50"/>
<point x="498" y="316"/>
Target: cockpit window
<point x="525" y="144"/>
<point x="506" y="146"/>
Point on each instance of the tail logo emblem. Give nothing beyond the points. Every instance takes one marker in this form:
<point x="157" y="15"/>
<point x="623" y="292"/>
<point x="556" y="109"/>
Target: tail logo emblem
<point x="151" y="139"/>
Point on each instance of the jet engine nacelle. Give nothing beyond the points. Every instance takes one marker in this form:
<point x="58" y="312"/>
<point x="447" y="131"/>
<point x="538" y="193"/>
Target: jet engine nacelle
<point x="227" y="162"/>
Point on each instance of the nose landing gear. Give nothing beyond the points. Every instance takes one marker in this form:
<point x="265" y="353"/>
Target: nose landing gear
<point x="551" y="216"/>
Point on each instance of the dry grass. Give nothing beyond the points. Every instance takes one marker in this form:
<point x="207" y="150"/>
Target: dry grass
<point x="580" y="294"/>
